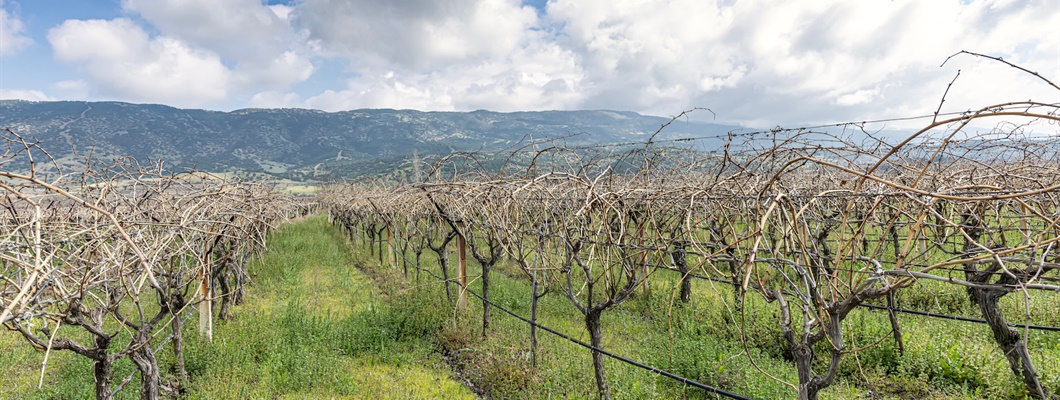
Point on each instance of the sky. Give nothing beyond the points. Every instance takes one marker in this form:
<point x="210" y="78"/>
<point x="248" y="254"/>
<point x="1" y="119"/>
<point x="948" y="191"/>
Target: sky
<point x="751" y="62"/>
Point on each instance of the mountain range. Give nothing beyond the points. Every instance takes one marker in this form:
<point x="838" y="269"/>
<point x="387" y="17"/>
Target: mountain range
<point x="303" y="144"/>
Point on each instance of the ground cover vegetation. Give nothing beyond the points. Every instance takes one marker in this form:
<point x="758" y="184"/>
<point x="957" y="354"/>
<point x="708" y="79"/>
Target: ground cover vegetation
<point x="110" y="262"/>
<point x="796" y="229"/>
<point x="315" y="326"/>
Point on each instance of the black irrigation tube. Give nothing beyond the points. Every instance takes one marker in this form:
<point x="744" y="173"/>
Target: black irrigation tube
<point x="682" y="379"/>
<point x="686" y="197"/>
<point x="959" y="318"/>
<point x="900" y="310"/>
<point x="667" y="374"/>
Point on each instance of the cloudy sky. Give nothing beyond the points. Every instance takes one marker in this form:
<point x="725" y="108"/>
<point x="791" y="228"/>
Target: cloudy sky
<point x="755" y="62"/>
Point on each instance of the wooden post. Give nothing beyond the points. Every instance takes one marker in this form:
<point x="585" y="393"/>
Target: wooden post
<point x="461" y="302"/>
<point x="206" y="307"/>
<point x="389" y="246"/>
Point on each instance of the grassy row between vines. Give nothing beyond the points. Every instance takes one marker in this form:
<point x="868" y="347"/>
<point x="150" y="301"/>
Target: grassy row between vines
<point x="701" y="341"/>
<point x="313" y="326"/>
<point x="325" y="320"/>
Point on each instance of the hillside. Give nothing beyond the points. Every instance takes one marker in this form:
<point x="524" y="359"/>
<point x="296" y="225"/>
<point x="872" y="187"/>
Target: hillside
<point x="308" y="144"/>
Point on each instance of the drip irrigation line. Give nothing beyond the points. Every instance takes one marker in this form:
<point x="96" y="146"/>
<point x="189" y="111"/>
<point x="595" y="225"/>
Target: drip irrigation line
<point x="634" y="363"/>
<point x="649" y="247"/>
<point x="900" y="310"/>
<point x="679" y="378"/>
<point x="687" y="195"/>
<point x="612" y="355"/>
<point x="958" y="318"/>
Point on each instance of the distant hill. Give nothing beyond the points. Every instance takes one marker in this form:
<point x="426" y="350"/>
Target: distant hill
<point x="308" y="144"/>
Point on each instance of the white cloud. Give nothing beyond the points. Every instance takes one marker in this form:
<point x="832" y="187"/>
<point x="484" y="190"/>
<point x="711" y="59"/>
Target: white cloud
<point x="77" y="40"/>
<point x="282" y="11"/>
<point x="235" y="29"/>
<point x="122" y="61"/>
<point x="23" y="94"/>
<point x="859" y="97"/>
<point x="416" y="34"/>
<point x="757" y="62"/>
<point x="535" y="77"/>
<point x="770" y="62"/>
<point x="284" y="70"/>
<point x="12" y="38"/>
<point x="257" y="39"/>
<point x="206" y="52"/>
<point x="461" y="55"/>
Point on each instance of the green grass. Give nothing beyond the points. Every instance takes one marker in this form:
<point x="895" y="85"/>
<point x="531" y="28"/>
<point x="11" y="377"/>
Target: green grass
<point x="638" y="329"/>
<point x="700" y="341"/>
<point x="313" y="326"/>
<point x="316" y="327"/>
<point x="324" y="320"/>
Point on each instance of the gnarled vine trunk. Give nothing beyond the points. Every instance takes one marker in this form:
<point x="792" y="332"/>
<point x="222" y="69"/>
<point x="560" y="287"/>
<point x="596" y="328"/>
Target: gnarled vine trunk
<point x="1008" y="339"/>
<point x="596" y="338"/>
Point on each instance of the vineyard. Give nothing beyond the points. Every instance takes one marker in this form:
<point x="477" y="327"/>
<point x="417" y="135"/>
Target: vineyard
<point x="110" y="262"/>
<point x="808" y="257"/>
<point x="807" y="224"/>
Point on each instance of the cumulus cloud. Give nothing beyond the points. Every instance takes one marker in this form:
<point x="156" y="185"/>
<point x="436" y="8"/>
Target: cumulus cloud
<point x="759" y="63"/>
<point x="257" y="39"/>
<point x="122" y="61"/>
<point x="12" y="38"/>
<point x="204" y="53"/>
<point x="756" y="62"/>
<point x="236" y="29"/>
<point x="768" y="62"/>
<point x="858" y="97"/>
<point x="282" y="11"/>
<point x="460" y="55"/>
<point x="281" y="71"/>
<point x="646" y="55"/>
<point x="762" y="62"/>
<point x="534" y="77"/>
<point x="416" y="34"/>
